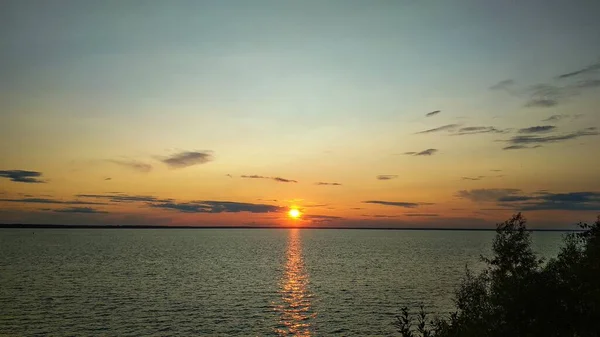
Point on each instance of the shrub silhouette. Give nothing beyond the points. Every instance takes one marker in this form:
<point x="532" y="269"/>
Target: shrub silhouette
<point x="519" y="295"/>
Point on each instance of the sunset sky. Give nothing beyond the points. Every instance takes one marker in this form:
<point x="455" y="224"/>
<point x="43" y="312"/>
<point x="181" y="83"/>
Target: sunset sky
<point x="358" y="113"/>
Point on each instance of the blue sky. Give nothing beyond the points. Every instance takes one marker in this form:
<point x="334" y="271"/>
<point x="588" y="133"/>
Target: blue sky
<point x="310" y="90"/>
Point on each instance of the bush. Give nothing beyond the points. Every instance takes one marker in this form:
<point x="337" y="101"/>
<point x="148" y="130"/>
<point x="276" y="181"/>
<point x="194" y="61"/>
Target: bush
<point x="518" y="295"/>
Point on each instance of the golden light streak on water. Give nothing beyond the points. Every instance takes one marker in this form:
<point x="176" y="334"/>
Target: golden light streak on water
<point x="295" y="308"/>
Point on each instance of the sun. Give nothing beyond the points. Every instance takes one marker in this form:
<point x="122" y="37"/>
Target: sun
<point x="294" y="213"/>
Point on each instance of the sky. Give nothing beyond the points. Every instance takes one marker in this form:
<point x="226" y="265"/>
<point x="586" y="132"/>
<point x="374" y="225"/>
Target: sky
<point x="451" y="114"/>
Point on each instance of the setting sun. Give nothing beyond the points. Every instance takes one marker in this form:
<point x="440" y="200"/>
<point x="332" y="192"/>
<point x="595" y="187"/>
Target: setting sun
<point x="294" y="213"/>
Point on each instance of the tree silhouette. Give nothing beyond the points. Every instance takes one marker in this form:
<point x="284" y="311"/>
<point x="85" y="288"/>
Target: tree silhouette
<point x="520" y="295"/>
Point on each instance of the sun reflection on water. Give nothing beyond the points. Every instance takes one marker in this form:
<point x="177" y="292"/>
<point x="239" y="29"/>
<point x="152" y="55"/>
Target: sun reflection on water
<point x="295" y="308"/>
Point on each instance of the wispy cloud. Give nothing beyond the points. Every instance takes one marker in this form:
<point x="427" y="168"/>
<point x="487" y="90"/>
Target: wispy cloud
<point x="283" y="180"/>
<point x="593" y="68"/>
<point x="473" y="178"/>
<point x="278" y="179"/>
<point x="422" y="214"/>
<point x="538" y="129"/>
<point x="520" y="147"/>
<point x="52" y="201"/>
<point x="487" y="194"/>
<point x="380" y="216"/>
<point x="320" y="183"/>
<point x="573" y="201"/>
<point x="541" y="200"/>
<point x="386" y="176"/>
<point x="209" y="206"/>
<point x="397" y="203"/>
<point x="86" y="210"/>
<point x="321" y="218"/>
<point x="587" y="84"/>
<point x="119" y="198"/>
<point x="473" y="130"/>
<point x="555" y="92"/>
<point x="505" y="85"/>
<point x="132" y="164"/>
<point x="428" y="152"/>
<point x="433" y="113"/>
<point x="546" y="95"/>
<point x="22" y="176"/>
<point x="448" y="127"/>
<point x="555" y="118"/>
<point x="519" y="142"/>
<point x="187" y="158"/>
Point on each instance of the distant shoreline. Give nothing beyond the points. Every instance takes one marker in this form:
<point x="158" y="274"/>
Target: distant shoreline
<point x="54" y="226"/>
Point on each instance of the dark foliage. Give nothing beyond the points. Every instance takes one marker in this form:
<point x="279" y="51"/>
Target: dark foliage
<point x="520" y="295"/>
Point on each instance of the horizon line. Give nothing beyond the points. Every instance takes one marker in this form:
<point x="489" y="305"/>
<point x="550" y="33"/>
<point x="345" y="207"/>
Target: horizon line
<point x="56" y="226"/>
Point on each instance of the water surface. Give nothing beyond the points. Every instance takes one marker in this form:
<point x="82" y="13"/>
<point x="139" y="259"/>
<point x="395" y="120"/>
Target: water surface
<point x="223" y="282"/>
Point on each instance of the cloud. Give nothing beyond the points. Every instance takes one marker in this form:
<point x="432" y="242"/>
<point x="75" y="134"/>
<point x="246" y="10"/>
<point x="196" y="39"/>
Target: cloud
<point x="278" y="179"/>
<point x="386" y="176"/>
<point x="52" y="201"/>
<point x="433" y="113"/>
<point x="473" y="178"/>
<point x="541" y="103"/>
<point x="541" y="200"/>
<point x="208" y="206"/>
<point x="283" y="180"/>
<point x="583" y="71"/>
<point x="538" y="129"/>
<point x="396" y="203"/>
<point x="448" y="127"/>
<point x="124" y="197"/>
<point x="572" y="201"/>
<point x="188" y="158"/>
<point x="587" y="84"/>
<point x="555" y="118"/>
<point x="469" y="130"/>
<point x="553" y="93"/>
<point x="520" y="147"/>
<point x="87" y="210"/>
<point x="109" y="178"/>
<point x="505" y="85"/>
<point x="321" y="218"/>
<point x="22" y="176"/>
<point x="517" y="141"/>
<point x="422" y="214"/>
<point x="487" y="194"/>
<point x="472" y="130"/>
<point x="320" y="183"/>
<point x="428" y="152"/>
<point x="132" y="164"/>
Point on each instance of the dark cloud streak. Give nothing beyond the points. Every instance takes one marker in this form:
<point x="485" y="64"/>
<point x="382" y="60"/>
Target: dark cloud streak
<point x="209" y="206"/>
<point x="22" y="176"/>
<point x="538" y="129"/>
<point x="386" y="176"/>
<point x="188" y="158"/>
<point x="448" y="127"/>
<point x="278" y="179"/>
<point x="396" y="203"/>
<point x="320" y="183"/>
